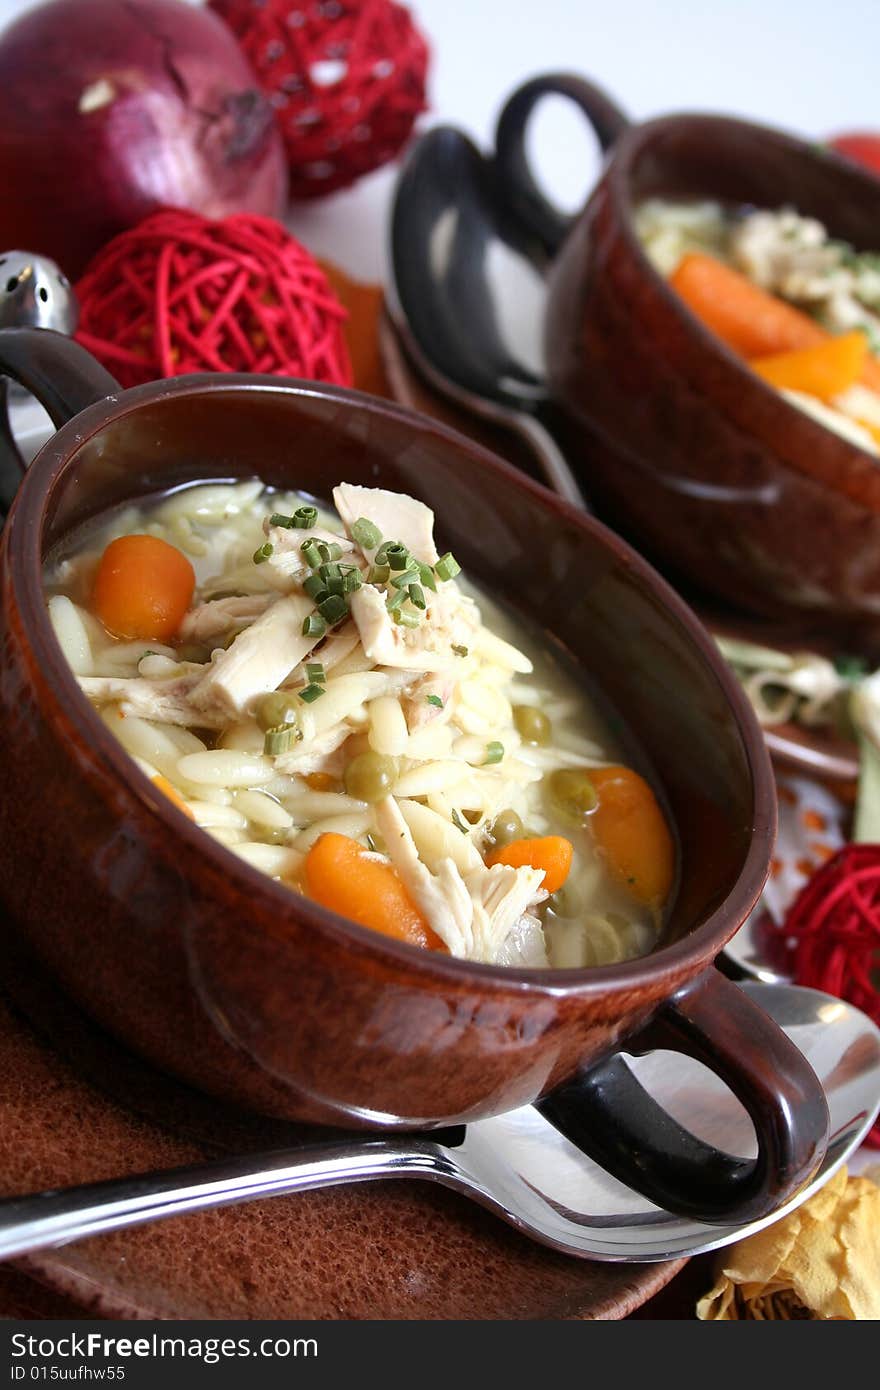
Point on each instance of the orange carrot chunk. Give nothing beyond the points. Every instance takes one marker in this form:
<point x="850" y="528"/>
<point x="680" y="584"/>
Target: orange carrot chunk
<point x="823" y="371"/>
<point x="750" y="320"/>
<point x="552" y="853"/>
<point x="630" y="829"/>
<point x="143" y="588"/>
<point x="341" y="876"/>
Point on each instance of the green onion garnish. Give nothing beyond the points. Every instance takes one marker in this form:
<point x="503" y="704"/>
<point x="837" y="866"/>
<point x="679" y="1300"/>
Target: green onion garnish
<point x="434" y="700"/>
<point x="311" y="553"/>
<point x="333" y="608"/>
<point x="494" y="753"/>
<point x="315" y="673"/>
<point x="314" y="626"/>
<point x="366" y="534"/>
<point x="279" y="739"/>
<point x="395" y="600"/>
<point x="405" y="619"/>
<point x="279" y="519"/>
<point x="417" y="596"/>
<point x="393" y="554"/>
<point x="459" y="823"/>
<point x="426" y="575"/>
<point x="305" y="517"/>
<point x="351" y="580"/>
<point x="314" y="586"/>
<point x="459" y="651"/>
<point x="333" y="548"/>
<point x="379" y="574"/>
<point x="262" y="553"/>
<point x="405" y="578"/>
<point x="311" y="693"/>
<point x="447" y="567"/>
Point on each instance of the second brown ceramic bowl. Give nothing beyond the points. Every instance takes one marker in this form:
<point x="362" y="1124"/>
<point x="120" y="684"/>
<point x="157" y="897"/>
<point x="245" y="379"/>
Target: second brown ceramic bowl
<point x="235" y="983"/>
<point x="712" y="472"/>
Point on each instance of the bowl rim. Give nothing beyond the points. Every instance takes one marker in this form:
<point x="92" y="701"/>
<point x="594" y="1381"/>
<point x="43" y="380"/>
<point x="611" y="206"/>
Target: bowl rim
<point x="69" y="708"/>
<point x="626" y="150"/>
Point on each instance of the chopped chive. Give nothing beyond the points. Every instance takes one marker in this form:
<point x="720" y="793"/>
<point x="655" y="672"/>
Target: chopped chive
<point x="394" y="554"/>
<point x="447" y="567"/>
<point x="459" y="823"/>
<point x="333" y="608"/>
<point x="459" y="651"/>
<point x="426" y="575"/>
<point x="405" y="578"/>
<point x="314" y="626"/>
<point x="351" y="581"/>
<point x="367" y="535"/>
<point x="335" y="584"/>
<point x="379" y="574"/>
<point x="334" y="549"/>
<point x="315" y="672"/>
<point x="405" y="619"/>
<point x="314" y="586"/>
<point x="329" y="570"/>
<point x="279" y="519"/>
<point x="395" y="600"/>
<point x="323" y="550"/>
<point x="262" y="553"/>
<point x="310" y="693"/>
<point x="279" y="739"/>
<point x="434" y="700"/>
<point x="494" y="753"/>
<point x="311" y="553"/>
<point x="417" y="596"/>
<point x="305" y="517"/>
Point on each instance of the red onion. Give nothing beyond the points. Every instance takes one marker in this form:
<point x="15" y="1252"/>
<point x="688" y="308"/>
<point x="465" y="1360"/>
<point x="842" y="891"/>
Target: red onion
<point x="110" y="109"/>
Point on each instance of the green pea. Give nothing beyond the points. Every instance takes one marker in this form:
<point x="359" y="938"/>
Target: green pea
<point x="506" y="827"/>
<point x="277" y="708"/>
<point x="532" y="724"/>
<point x="571" y="794"/>
<point x="370" y="776"/>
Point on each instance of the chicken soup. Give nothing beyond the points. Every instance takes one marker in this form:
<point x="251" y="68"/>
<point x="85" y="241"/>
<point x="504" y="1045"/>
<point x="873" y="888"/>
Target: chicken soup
<point x="324" y="694"/>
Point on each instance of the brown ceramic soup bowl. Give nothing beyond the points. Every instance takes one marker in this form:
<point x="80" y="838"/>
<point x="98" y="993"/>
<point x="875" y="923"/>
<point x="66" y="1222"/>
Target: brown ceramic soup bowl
<point x="717" y="477"/>
<point x="236" y="984"/>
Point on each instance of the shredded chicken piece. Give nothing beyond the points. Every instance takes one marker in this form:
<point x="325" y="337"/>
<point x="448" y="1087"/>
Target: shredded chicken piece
<point x="397" y="517"/>
<point x="473" y="915"/>
<point x="220" y="615"/>
<point x="166" y="701"/>
<point x="287" y="562"/>
<point x="259" y="658"/>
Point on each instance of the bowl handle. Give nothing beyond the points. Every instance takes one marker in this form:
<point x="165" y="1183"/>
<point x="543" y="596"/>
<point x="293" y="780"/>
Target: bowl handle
<point x="520" y="187"/>
<point x="609" y="1115"/>
<point x="63" y="376"/>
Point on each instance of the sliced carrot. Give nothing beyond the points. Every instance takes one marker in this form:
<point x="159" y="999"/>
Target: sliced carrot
<point x="823" y="371"/>
<point x="552" y="853"/>
<point x="143" y="588"/>
<point x="751" y="321"/>
<point x="630" y="829"/>
<point x="169" y="790"/>
<point x="341" y="875"/>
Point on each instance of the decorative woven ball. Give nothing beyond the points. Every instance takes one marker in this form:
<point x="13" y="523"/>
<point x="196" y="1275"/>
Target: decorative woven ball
<point x="181" y="293"/>
<point x="346" y="77"/>
<point x="831" y="932"/>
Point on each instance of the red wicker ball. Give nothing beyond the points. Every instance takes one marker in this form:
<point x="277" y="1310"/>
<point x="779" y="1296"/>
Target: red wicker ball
<point x="346" y="77"/>
<point x="180" y="293"/>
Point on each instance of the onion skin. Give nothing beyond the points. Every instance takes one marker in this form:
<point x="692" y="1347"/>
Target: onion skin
<point x="111" y="109"/>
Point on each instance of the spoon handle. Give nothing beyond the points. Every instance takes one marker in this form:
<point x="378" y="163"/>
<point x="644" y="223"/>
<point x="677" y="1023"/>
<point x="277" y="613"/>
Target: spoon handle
<point x="42" y="1220"/>
<point x="558" y="474"/>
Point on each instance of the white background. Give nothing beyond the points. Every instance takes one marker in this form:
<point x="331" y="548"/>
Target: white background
<point x="808" y="65"/>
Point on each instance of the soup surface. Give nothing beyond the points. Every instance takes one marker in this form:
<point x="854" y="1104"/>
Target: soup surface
<point x="801" y="307"/>
<point x="323" y="694"/>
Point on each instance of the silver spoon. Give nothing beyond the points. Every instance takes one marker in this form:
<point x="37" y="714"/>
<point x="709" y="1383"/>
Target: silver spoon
<point x="34" y="293"/>
<point x="517" y="1165"/>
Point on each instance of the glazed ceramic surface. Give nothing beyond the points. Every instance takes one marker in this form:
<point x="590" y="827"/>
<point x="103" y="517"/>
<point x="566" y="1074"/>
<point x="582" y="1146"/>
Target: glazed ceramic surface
<point x="719" y="478"/>
<point x="255" y="994"/>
